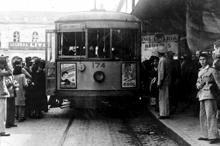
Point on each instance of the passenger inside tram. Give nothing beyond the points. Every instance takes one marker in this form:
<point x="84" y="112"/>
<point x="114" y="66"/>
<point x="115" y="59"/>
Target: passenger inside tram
<point x="72" y="50"/>
<point x="123" y="44"/>
<point x="73" y="43"/>
<point x="99" y="42"/>
<point x="116" y="53"/>
<point x="92" y="53"/>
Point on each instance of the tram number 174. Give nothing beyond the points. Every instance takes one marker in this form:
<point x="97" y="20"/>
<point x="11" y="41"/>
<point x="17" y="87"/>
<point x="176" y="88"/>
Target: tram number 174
<point x="98" y="65"/>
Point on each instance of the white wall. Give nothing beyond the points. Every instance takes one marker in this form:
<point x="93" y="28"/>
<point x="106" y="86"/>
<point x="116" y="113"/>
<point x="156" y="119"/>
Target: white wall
<point x="26" y="31"/>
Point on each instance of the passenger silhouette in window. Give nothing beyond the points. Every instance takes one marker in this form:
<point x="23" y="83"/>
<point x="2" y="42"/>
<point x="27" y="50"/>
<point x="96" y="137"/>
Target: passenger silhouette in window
<point x="92" y="52"/>
<point x="72" y="50"/>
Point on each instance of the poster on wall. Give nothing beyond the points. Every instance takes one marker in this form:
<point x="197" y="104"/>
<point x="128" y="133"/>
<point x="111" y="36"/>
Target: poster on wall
<point x="151" y="43"/>
<point x="129" y="75"/>
<point x="68" y="75"/>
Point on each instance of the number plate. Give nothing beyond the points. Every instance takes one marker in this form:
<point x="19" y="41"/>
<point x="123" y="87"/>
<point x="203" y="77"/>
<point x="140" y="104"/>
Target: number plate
<point x="98" y="65"/>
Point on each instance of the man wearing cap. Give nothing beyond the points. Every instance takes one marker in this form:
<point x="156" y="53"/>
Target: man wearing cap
<point x="164" y="79"/>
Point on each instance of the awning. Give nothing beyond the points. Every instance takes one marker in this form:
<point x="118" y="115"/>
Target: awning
<point x="203" y="23"/>
<point x="166" y="16"/>
<point x="199" y="19"/>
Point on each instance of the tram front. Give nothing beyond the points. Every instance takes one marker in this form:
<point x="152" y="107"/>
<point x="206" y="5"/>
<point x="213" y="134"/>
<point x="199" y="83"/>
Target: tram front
<point x="96" y="56"/>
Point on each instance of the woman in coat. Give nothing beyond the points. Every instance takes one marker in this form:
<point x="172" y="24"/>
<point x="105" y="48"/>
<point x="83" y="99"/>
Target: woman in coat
<point x="20" y="93"/>
<point x="39" y="98"/>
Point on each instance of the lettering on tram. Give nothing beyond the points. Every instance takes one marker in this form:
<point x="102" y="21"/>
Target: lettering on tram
<point x="98" y="65"/>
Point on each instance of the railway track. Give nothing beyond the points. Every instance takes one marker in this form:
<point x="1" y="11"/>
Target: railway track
<point x="62" y="140"/>
<point x="134" y="138"/>
<point x="118" y="131"/>
<point x="89" y="128"/>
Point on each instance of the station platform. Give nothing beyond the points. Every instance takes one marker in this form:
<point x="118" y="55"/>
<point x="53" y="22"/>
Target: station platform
<point x="183" y="127"/>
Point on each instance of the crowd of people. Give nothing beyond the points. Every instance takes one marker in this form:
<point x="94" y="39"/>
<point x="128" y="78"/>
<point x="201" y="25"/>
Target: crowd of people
<point x="191" y="82"/>
<point x="162" y="71"/>
<point x="22" y="88"/>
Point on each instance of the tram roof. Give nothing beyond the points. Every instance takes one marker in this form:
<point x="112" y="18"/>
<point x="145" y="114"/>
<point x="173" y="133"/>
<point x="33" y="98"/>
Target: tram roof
<point x="98" y="15"/>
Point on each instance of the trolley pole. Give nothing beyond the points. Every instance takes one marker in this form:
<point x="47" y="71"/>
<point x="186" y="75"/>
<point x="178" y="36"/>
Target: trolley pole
<point x="94" y="4"/>
<point x="133" y="4"/>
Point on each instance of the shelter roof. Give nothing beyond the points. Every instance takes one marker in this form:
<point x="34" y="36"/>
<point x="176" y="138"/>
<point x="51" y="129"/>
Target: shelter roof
<point x="98" y="15"/>
<point x="162" y="15"/>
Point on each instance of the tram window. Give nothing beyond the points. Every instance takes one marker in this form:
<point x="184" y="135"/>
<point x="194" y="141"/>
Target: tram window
<point x="73" y="43"/>
<point x="99" y="43"/>
<point x="123" y="43"/>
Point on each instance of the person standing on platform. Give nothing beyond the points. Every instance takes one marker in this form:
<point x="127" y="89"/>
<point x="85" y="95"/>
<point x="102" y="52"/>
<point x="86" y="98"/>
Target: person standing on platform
<point x="11" y="86"/>
<point x="208" y="107"/>
<point x="163" y="83"/>
<point x="20" y="93"/>
<point x="216" y="66"/>
<point x="174" y="88"/>
<point x="28" y="91"/>
<point x="153" y="75"/>
<point x="39" y="98"/>
<point x="4" y="94"/>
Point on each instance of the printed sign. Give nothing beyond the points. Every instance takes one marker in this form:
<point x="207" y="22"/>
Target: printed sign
<point x="129" y="75"/>
<point x="151" y="43"/>
<point x="27" y="45"/>
<point x="68" y="76"/>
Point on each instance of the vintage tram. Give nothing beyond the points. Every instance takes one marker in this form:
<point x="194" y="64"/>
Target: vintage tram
<point x="93" y="56"/>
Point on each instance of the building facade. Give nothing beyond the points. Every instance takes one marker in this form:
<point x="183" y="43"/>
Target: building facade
<point x="23" y="33"/>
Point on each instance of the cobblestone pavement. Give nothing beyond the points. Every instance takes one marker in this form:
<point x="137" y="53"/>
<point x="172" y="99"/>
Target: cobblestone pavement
<point x="143" y="126"/>
<point x="149" y="132"/>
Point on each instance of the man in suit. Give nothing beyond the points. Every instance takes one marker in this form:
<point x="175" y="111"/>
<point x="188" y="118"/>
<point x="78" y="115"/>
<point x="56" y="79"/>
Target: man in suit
<point x="163" y="83"/>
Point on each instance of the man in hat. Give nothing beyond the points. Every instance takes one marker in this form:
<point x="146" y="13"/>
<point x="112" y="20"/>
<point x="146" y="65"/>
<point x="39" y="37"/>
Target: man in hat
<point x="175" y="81"/>
<point x="164" y="79"/>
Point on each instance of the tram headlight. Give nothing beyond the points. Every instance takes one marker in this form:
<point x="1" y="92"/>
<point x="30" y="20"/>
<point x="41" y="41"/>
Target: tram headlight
<point x="99" y="76"/>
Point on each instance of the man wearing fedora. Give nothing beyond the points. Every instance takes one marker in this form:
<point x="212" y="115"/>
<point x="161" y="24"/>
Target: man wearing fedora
<point x="163" y="83"/>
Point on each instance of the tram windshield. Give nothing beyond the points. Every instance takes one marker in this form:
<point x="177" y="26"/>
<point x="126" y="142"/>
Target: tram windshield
<point x="99" y="43"/>
<point x="124" y="43"/>
<point x="72" y="44"/>
<point x="116" y="44"/>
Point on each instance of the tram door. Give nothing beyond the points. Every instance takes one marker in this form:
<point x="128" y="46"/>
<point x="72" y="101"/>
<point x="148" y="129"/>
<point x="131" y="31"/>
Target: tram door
<point x="50" y="62"/>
